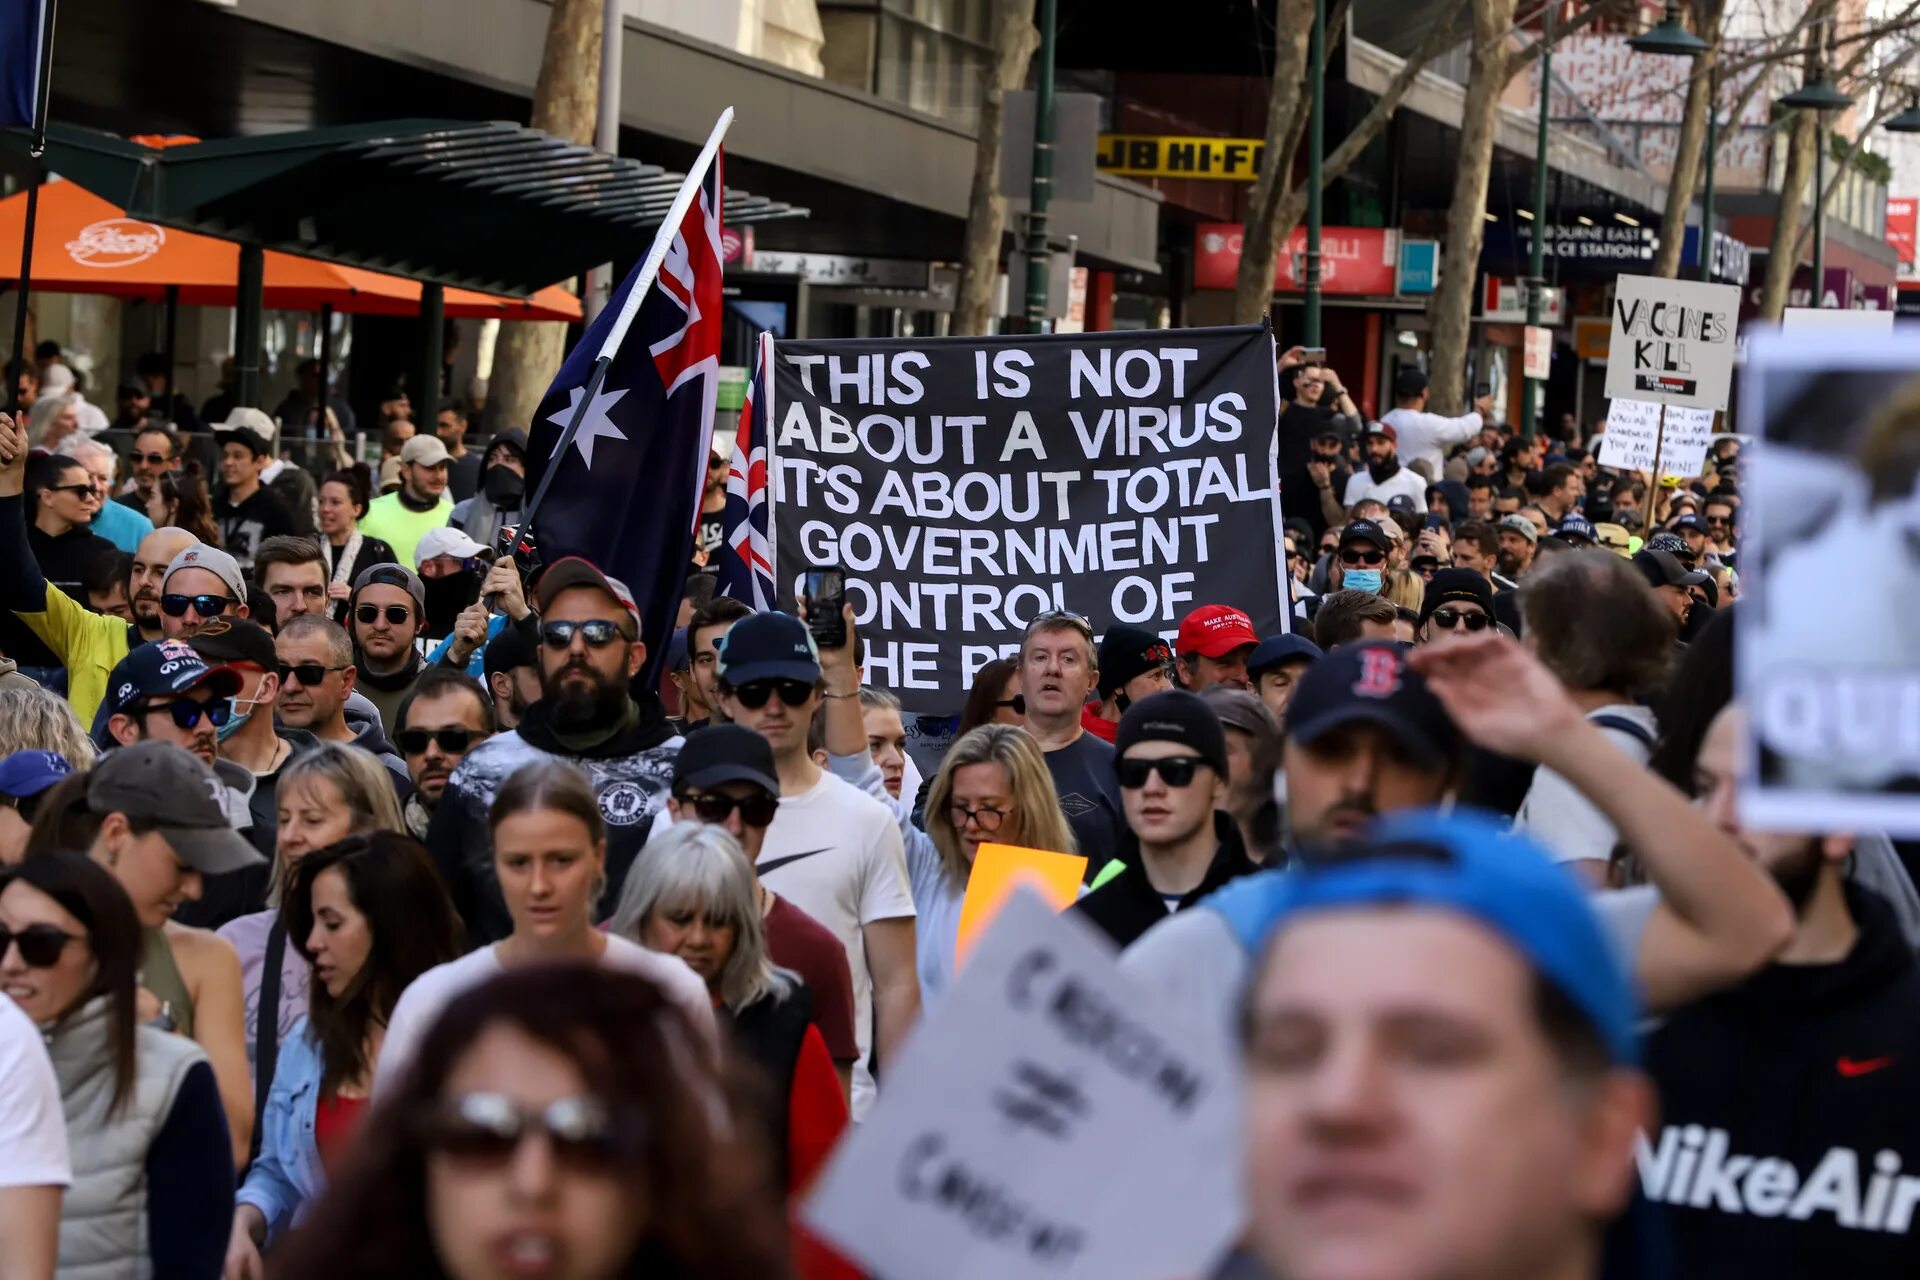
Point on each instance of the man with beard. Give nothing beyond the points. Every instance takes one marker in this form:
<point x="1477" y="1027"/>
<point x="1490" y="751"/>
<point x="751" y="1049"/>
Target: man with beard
<point x="512" y="676"/>
<point x="1376" y="730"/>
<point x="1787" y="1142"/>
<point x="385" y="615"/>
<point x="445" y="716"/>
<point x="1058" y="670"/>
<point x="1385" y="479"/>
<point x="588" y="716"/>
<point x="1519" y="540"/>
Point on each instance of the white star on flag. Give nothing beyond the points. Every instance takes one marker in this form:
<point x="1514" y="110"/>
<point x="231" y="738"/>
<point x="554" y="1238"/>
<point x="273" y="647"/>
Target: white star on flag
<point x="595" y="424"/>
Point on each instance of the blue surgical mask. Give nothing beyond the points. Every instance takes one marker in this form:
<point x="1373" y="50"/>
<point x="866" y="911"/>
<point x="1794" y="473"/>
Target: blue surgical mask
<point x="1358" y="580"/>
<point x="236" y="717"/>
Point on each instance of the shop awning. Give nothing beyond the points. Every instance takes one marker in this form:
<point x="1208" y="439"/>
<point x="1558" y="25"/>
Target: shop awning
<point x="82" y="244"/>
<point x="493" y="207"/>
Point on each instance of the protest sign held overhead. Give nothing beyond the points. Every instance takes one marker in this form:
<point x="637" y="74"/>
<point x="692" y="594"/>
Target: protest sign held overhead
<point x="1049" y="1119"/>
<point x="1826" y="664"/>
<point x="1635" y="436"/>
<point x="1672" y="341"/>
<point x="967" y="485"/>
<point x="1002" y="870"/>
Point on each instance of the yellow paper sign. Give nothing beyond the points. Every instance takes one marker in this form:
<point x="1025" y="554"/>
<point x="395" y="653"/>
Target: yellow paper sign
<point x="999" y="870"/>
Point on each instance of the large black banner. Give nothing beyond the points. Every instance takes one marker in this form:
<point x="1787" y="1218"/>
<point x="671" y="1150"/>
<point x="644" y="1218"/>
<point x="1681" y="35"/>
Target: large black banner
<point x="967" y="484"/>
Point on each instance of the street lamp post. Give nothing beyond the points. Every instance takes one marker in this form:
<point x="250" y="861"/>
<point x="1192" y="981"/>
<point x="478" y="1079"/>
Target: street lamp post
<point x="1818" y="97"/>
<point x="1039" y="259"/>
<point x="1537" y="262"/>
<point x="1671" y="39"/>
<point x="1316" y="149"/>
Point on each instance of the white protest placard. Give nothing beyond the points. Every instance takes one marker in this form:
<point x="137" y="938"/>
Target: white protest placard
<point x="1050" y="1118"/>
<point x="1807" y="319"/>
<point x="1633" y="433"/>
<point x="1672" y="341"/>
<point x="1537" y="355"/>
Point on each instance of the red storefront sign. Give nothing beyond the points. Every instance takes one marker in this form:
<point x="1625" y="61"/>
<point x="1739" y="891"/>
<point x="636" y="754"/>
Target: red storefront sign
<point x="1903" y="221"/>
<point x="1353" y="260"/>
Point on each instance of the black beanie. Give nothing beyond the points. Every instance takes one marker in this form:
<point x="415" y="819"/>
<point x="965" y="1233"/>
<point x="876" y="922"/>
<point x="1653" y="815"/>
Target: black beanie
<point x="1174" y="716"/>
<point x="1126" y="652"/>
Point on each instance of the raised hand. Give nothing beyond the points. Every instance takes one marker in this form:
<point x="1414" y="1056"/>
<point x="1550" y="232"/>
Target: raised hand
<point x="1499" y="694"/>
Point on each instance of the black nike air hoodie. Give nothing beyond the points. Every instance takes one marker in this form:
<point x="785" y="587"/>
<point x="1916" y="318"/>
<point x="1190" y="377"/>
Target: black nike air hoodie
<point x="1788" y="1142"/>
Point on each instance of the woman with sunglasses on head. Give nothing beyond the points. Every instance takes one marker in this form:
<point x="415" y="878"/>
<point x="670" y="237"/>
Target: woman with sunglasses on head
<point x="1458" y="602"/>
<point x="368" y="915"/>
<point x="152" y="1165"/>
<point x="563" y="1121"/>
<point x="550" y="861"/>
<point x="326" y="794"/>
<point x="180" y="501"/>
<point x="695" y="896"/>
<point x="342" y="502"/>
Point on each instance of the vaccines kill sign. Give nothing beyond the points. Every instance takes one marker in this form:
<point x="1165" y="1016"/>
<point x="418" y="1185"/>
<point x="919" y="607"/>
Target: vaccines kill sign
<point x="1672" y="341"/>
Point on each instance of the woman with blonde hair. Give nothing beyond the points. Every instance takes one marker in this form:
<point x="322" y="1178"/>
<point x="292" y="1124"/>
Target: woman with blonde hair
<point x="326" y="794"/>
<point x="33" y="719"/>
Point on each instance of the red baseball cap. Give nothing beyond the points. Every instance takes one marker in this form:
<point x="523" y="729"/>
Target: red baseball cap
<point x="1215" y="630"/>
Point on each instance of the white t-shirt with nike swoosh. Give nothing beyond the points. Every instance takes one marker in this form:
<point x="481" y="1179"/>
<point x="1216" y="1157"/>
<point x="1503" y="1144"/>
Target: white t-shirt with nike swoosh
<point x="834" y="852"/>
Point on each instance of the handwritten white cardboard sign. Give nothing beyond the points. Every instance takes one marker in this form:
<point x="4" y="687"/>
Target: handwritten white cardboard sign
<point x="1050" y="1119"/>
<point x="1633" y="431"/>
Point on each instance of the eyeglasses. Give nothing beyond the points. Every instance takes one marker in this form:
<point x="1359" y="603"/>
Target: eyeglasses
<point x="307" y="673"/>
<point x="206" y="606"/>
<point x="754" y="695"/>
<point x="1355" y="556"/>
<point x="1016" y="704"/>
<point x="713" y="807"/>
<point x="186" y="712"/>
<point x="151" y="459"/>
<point x="77" y="490"/>
<point x="598" y="633"/>
<point x="986" y="817"/>
<point x="1060" y="618"/>
<point x="40" y="944"/>
<point x="398" y="615"/>
<point x="1175" y="771"/>
<point x="414" y="742"/>
<point x="487" y="1128"/>
<point x="1448" y="619"/>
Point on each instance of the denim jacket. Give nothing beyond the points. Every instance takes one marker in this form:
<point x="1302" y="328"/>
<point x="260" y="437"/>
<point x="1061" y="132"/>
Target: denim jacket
<point x="287" y="1174"/>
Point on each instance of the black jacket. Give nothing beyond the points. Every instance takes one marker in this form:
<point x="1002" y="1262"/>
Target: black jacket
<point x="1790" y="1143"/>
<point x="1128" y="905"/>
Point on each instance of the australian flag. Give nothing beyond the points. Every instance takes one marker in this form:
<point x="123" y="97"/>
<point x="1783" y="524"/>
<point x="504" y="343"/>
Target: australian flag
<point x="628" y="490"/>
<point x="23" y="25"/>
<point x="746" y="552"/>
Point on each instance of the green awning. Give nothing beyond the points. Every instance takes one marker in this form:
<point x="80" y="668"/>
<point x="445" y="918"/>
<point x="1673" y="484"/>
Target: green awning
<point x="489" y="206"/>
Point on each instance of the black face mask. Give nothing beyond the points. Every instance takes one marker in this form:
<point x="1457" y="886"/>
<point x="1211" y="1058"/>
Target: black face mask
<point x="446" y="597"/>
<point x="504" y="487"/>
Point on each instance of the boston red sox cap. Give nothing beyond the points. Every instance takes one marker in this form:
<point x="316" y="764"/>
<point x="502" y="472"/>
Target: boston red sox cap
<point x="1372" y="684"/>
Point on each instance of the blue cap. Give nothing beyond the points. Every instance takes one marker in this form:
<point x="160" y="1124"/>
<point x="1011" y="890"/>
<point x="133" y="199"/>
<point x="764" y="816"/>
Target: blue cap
<point x="768" y="646"/>
<point x="1472" y="865"/>
<point x="1371" y="683"/>
<point x="28" y="773"/>
<point x="1276" y="650"/>
<point x="1690" y="521"/>
<point x="163" y="667"/>
<point x="1575" y="525"/>
<point x="677" y="659"/>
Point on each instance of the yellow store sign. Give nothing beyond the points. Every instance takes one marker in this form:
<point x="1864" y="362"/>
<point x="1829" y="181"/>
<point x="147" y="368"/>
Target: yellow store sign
<point x="1134" y="155"/>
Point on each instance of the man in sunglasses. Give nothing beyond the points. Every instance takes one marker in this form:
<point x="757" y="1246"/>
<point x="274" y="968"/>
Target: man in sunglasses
<point x="445" y="716"/>
<point x="589" y="716"/>
<point x="724" y="776"/>
<point x="1717" y="512"/>
<point x="166" y="692"/>
<point x="1179" y="845"/>
<point x="1458" y="602"/>
<point x="314" y="659"/>
<point x="201" y="583"/>
<point x="156" y="453"/>
<point x="1134" y="664"/>
<point x="832" y="850"/>
<point x="1365" y="546"/>
<point x="385" y="616"/>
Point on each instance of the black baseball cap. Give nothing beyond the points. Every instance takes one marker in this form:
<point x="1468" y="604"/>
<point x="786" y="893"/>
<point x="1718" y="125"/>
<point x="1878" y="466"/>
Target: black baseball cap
<point x="1466" y="586"/>
<point x="1409" y="383"/>
<point x="1276" y="651"/>
<point x="1366" y="531"/>
<point x="768" y="646"/>
<point x="1174" y="716"/>
<point x="1661" y="569"/>
<point x="1690" y="521"/>
<point x="507" y="651"/>
<point x="1371" y="683"/>
<point x="1127" y="652"/>
<point x="227" y="640"/>
<point x="725" y="753"/>
<point x="158" y="784"/>
<point x="163" y="667"/>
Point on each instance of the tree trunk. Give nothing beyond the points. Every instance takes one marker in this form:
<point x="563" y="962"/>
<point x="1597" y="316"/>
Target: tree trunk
<point x="1692" y="145"/>
<point x="1014" y="41"/>
<point x="1452" y="305"/>
<point x="566" y="103"/>
<point x="1783" y="253"/>
<point x="1261" y="236"/>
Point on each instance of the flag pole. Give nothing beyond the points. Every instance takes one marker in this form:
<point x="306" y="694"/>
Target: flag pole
<point x="43" y="91"/>
<point x="643" y="283"/>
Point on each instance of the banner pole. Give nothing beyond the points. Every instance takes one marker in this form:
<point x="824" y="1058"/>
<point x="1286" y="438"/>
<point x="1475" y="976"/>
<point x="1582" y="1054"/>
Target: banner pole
<point x="37" y="148"/>
<point x="1653" y="490"/>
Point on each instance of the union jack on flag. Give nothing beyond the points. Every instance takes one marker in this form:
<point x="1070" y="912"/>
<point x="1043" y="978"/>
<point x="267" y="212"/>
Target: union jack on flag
<point x="628" y="492"/>
<point x="745" y="569"/>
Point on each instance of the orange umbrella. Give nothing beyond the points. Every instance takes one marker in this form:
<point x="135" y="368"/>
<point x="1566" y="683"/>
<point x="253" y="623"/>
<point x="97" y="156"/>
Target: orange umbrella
<point x="83" y="244"/>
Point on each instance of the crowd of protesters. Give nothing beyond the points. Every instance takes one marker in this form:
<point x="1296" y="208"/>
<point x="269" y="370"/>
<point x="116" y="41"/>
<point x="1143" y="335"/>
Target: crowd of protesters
<point x="368" y="906"/>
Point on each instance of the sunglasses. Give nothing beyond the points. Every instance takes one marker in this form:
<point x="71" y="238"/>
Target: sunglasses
<point x="398" y="615"/>
<point x="986" y="817"/>
<point x="755" y="695"/>
<point x="598" y="632"/>
<point x="1350" y="558"/>
<point x="1175" y="771"/>
<point x="307" y="673"/>
<point x="1060" y="617"/>
<point x="1712" y="520"/>
<point x="77" y="490"/>
<point x="713" y="807"/>
<point x="1329" y="548"/>
<point x="1448" y="619"/>
<point x="487" y="1128"/>
<point x="1016" y="704"/>
<point x="206" y="606"/>
<point x="414" y="742"/>
<point x="186" y="712"/>
<point x="40" y="944"/>
<point x="151" y="459"/>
